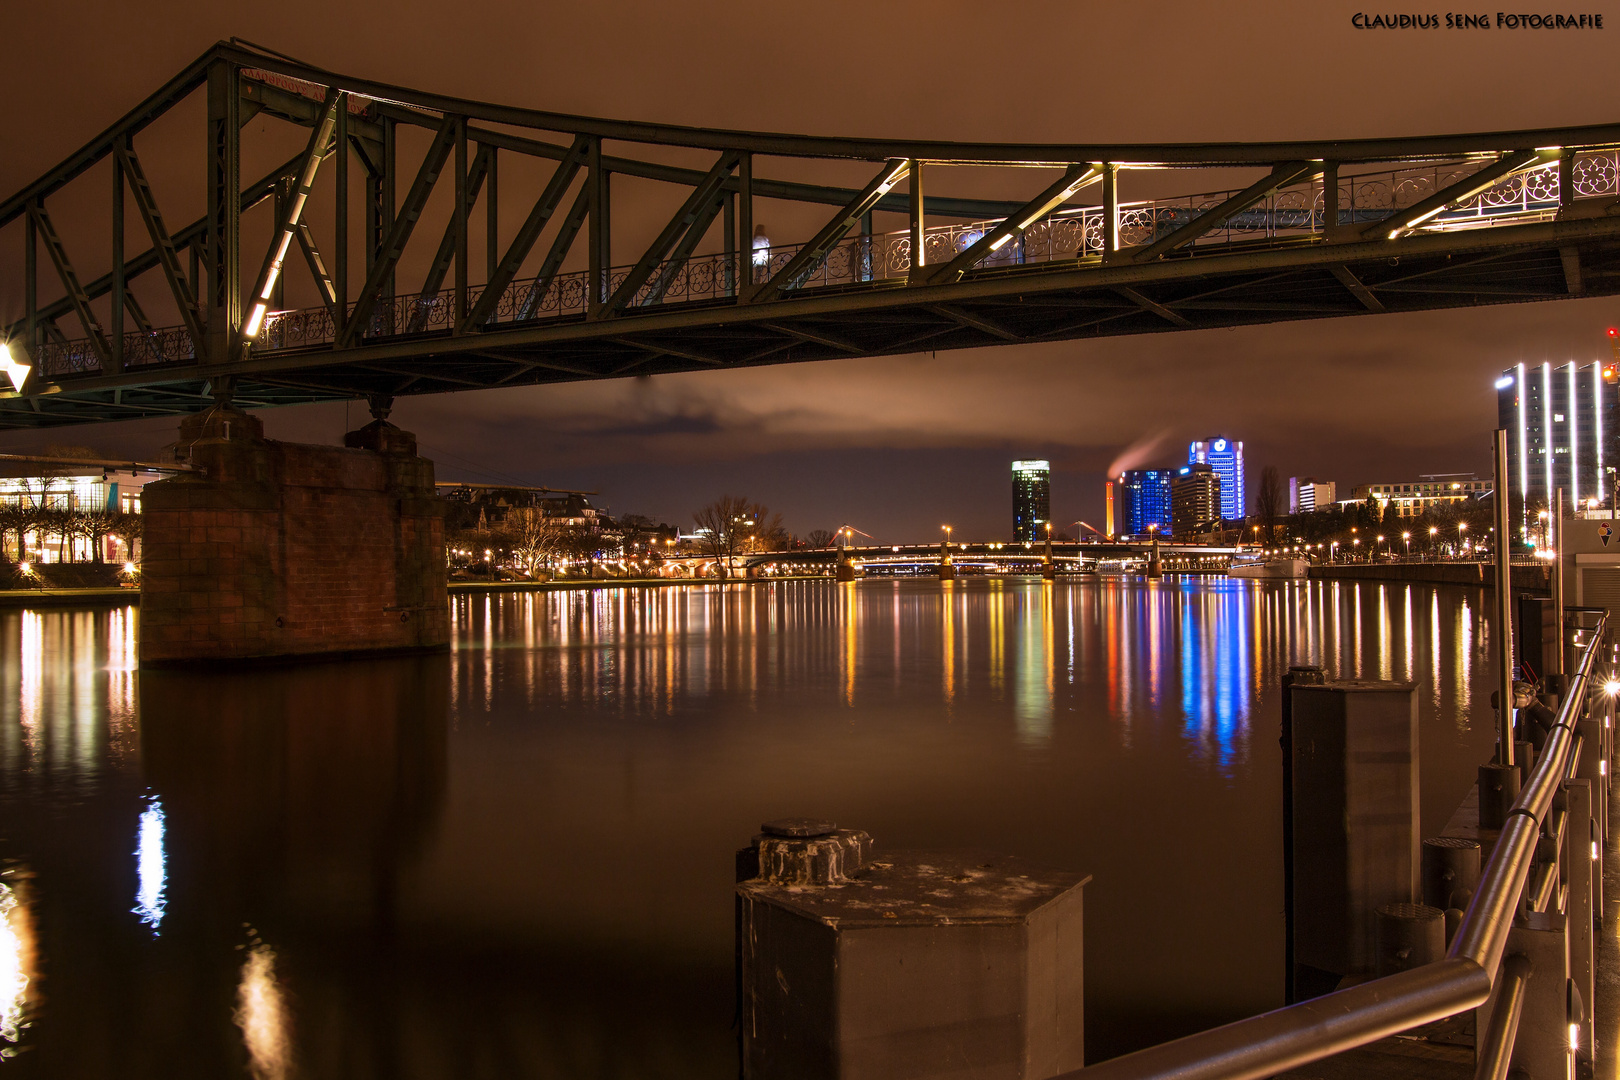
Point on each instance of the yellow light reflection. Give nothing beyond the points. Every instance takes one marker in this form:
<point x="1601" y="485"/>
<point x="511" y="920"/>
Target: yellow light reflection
<point x="261" y="1013"/>
<point x="16" y="965"/>
<point x="948" y="638"/>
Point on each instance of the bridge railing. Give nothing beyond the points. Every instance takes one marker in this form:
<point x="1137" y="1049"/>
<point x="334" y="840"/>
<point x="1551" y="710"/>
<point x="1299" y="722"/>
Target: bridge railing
<point x="1288" y="215"/>
<point x="1300" y="1034"/>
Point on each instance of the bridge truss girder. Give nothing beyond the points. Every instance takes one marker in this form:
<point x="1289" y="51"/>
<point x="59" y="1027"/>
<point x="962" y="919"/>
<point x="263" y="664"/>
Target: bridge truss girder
<point x="1191" y="263"/>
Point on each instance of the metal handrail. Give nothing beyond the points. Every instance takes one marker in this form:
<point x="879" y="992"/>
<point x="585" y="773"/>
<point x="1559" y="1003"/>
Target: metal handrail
<point x="1297" y="1035"/>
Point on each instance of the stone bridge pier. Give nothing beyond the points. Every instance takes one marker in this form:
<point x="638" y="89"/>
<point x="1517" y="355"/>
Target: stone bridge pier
<point x="283" y="550"/>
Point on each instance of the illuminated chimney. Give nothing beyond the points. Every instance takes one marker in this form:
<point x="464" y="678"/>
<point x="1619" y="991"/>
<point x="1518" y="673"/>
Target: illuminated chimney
<point x="1108" y="503"/>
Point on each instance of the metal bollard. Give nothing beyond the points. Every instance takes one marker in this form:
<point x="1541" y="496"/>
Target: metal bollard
<point x="1498" y="788"/>
<point x="1450" y="871"/>
<point x="1409" y="936"/>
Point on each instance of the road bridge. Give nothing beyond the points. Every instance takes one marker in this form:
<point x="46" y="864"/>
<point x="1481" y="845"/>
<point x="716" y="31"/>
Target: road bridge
<point x="1086" y="241"/>
<point x="991" y="557"/>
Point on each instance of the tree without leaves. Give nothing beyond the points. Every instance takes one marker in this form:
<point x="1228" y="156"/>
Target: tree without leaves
<point x="1268" y="500"/>
<point x="820" y="538"/>
<point x="533" y="538"/>
<point x="732" y="525"/>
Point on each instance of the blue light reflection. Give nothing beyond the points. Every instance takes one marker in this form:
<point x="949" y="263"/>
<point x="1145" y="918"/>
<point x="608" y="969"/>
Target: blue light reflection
<point x="151" y="865"/>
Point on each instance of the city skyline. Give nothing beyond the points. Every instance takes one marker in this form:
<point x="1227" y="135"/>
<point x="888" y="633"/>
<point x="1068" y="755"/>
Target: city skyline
<point x="893" y="444"/>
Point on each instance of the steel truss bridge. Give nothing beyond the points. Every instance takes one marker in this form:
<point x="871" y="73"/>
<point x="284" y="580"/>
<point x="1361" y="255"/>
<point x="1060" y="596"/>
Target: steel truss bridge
<point x="197" y="310"/>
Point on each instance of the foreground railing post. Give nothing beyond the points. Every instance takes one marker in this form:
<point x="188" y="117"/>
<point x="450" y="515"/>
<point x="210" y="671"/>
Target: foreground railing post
<point x="1503" y="637"/>
<point x="1581" y="867"/>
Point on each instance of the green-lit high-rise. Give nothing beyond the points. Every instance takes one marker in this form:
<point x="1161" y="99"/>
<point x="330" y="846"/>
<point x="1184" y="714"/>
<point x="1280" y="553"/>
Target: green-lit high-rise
<point x="1032" y="499"/>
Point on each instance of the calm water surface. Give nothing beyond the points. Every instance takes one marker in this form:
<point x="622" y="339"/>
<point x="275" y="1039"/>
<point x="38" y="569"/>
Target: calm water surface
<point x="516" y="860"/>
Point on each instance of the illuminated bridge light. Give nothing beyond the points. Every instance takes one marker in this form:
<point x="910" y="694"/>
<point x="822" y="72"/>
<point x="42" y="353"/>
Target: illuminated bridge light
<point x="150" y="866"/>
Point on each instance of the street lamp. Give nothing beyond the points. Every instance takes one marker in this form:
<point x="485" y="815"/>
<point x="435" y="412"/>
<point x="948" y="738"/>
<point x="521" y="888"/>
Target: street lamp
<point x="1406" y="538"/>
<point x="1433" y="530"/>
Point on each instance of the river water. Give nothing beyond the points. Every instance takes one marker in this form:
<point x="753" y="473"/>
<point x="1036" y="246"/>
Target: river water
<point x="515" y="860"/>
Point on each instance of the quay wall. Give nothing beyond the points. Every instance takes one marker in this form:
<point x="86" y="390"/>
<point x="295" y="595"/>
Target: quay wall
<point x="1528" y="578"/>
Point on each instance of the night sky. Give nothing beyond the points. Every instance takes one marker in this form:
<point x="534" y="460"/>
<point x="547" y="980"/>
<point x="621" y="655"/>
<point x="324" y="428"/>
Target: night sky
<point x="898" y="446"/>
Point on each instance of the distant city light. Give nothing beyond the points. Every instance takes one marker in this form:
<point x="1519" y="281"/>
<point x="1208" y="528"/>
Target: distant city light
<point x="1504" y="382"/>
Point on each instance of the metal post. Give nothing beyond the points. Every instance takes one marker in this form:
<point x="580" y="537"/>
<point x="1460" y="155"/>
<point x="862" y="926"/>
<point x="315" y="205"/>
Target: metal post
<point x="31" y="287"/>
<point x="597" y="232"/>
<point x="224" y="213"/>
<point x="1503" y="637"/>
<point x="1566" y="181"/>
<point x="119" y="286"/>
<point x="492" y="215"/>
<point x="1555" y="663"/>
<point x="340" y="242"/>
<point x="729" y="278"/>
<point x="918" y="255"/>
<point x="1110" y="182"/>
<point x="745" y="225"/>
<point x="1330" y="199"/>
<point x="460" y="223"/>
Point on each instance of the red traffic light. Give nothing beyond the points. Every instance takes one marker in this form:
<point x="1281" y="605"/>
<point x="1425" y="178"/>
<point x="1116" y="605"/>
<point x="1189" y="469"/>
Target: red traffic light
<point x="1613" y="332"/>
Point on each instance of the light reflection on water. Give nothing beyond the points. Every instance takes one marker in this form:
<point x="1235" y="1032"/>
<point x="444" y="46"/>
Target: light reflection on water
<point x="525" y="845"/>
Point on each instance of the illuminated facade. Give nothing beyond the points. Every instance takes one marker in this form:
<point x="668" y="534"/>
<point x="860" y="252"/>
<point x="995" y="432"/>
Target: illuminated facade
<point x="1410" y="500"/>
<point x="68" y="489"/>
<point x="1195" y="499"/>
<point x="1032" y="499"/>
<point x="1225" y="457"/>
<point x="1561" y="427"/>
<point x="1146" y="495"/>
<point x="1307" y="494"/>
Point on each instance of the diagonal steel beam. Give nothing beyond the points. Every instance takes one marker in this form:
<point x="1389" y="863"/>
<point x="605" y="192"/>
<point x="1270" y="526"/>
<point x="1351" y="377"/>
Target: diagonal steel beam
<point x="399" y="233"/>
<point x="1074" y="178"/>
<point x="1348" y="279"/>
<point x="163" y="246"/>
<point x="698" y="205"/>
<point x="434" y="281"/>
<point x="529" y="232"/>
<point x="683" y="251"/>
<point x="1150" y="305"/>
<point x="317" y="268"/>
<point x="554" y="258"/>
<point x="320" y="139"/>
<point x="819" y="337"/>
<point x="1281" y="176"/>
<point x="810" y="256"/>
<point x="1403" y="221"/>
<point x="70" y="280"/>
<point x="976" y="322"/>
<point x="685" y="354"/>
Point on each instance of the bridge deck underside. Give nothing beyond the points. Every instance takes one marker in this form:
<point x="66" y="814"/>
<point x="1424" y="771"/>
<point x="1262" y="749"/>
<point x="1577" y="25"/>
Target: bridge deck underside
<point x="1051" y="302"/>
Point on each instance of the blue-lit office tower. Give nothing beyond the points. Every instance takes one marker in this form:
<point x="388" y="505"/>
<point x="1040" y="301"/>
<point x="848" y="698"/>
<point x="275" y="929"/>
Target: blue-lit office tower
<point x="1225" y="457"/>
<point x="1561" y="423"/>
<point x="1146" y="495"/>
<point x="1032" y="499"/>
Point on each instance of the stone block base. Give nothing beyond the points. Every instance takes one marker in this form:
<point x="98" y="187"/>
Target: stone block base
<point x="279" y="550"/>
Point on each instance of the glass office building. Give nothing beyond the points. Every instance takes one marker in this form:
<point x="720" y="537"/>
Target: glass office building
<point x="1145" y="495"/>
<point x="1032" y="499"/>
<point x="1225" y="457"/>
<point x="1561" y="428"/>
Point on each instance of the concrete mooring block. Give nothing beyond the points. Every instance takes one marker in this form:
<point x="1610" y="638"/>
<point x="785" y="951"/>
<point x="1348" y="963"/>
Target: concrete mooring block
<point x="862" y="966"/>
<point x="1355" y="819"/>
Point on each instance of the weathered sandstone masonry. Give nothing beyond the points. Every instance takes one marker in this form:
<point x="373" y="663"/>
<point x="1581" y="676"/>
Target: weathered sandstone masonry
<point x="278" y="549"/>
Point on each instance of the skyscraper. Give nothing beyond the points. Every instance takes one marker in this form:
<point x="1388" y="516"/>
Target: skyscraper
<point x="1561" y="427"/>
<point x="1195" y="498"/>
<point x="1146" y="495"/>
<point x="1225" y="457"/>
<point x="1032" y="499"/>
